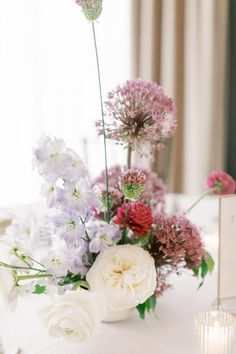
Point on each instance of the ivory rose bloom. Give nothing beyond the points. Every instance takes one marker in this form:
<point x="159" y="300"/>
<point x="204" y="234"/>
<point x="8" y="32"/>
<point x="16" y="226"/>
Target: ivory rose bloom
<point x="74" y="316"/>
<point x="125" y="275"/>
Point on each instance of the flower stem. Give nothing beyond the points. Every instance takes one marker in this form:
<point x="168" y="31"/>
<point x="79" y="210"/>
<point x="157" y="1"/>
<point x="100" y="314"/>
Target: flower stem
<point x="5" y="265"/>
<point x="207" y="192"/>
<point x="103" y="122"/>
<point x="35" y="276"/>
<point x="129" y="154"/>
<point x="125" y="230"/>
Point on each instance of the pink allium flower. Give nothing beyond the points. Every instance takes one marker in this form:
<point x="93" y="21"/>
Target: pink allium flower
<point x="91" y="8"/>
<point x="221" y="182"/>
<point x="153" y="194"/>
<point x="176" y="240"/>
<point x="136" y="216"/>
<point x="132" y="183"/>
<point x="140" y="115"/>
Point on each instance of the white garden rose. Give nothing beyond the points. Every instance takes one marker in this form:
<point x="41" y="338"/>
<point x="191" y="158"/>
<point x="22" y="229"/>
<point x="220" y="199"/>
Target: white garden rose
<point x="125" y="275"/>
<point x="74" y="316"/>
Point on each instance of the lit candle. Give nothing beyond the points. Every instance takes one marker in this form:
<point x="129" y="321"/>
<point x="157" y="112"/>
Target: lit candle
<point x="215" y="332"/>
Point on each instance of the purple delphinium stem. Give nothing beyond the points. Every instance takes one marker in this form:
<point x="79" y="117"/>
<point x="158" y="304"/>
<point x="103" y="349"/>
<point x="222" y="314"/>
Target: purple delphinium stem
<point x="103" y="122"/>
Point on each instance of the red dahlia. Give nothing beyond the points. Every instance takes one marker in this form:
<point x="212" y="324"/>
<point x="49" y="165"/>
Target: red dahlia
<point x="137" y="216"/>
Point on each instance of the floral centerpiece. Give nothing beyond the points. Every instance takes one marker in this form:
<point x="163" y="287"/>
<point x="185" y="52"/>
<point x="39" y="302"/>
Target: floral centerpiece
<point x="108" y="244"/>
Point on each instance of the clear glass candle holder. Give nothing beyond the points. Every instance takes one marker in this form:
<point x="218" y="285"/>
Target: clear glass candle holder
<point x="215" y="331"/>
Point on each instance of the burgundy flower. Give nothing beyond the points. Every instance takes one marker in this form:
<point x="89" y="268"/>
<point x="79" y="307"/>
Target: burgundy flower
<point x="137" y="216"/>
<point x="221" y="182"/>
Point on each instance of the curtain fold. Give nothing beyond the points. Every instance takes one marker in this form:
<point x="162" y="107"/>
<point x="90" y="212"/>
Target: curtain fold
<point x="181" y="44"/>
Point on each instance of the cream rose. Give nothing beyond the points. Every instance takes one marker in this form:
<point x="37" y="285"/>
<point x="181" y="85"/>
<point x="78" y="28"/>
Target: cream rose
<point x="74" y="316"/>
<point x="124" y="274"/>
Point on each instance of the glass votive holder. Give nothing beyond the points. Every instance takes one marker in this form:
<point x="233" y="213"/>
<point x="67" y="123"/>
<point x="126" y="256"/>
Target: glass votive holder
<point x="215" y="331"/>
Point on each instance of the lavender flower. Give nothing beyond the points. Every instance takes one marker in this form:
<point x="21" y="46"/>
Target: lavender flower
<point x="75" y="167"/>
<point x="61" y="258"/>
<point x="78" y="199"/>
<point x="50" y="191"/>
<point x="91" y="8"/>
<point x="69" y="229"/>
<point x="28" y="232"/>
<point x="102" y="235"/>
<point x="50" y="158"/>
<point x="141" y="115"/>
<point x="54" y="161"/>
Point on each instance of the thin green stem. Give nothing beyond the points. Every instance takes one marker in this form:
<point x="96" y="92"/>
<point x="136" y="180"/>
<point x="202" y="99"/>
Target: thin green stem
<point x="13" y="267"/>
<point x="32" y="259"/>
<point x="103" y="122"/>
<point x="129" y="154"/>
<point x="207" y="192"/>
<point x="35" y="276"/>
<point x="125" y="221"/>
<point x="22" y="259"/>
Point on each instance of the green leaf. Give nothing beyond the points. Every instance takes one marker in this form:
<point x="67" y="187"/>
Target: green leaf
<point x="147" y="306"/>
<point x="196" y="271"/>
<point x="141" y="310"/>
<point x="209" y="261"/>
<point x="204" y="269"/>
<point x="39" y="289"/>
<point x="80" y="283"/>
<point x="201" y="284"/>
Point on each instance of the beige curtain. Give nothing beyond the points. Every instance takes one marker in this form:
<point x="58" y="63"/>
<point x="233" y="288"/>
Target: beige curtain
<point x="181" y="44"/>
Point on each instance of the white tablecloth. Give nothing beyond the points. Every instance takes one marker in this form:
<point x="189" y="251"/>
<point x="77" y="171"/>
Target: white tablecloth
<point x="171" y="331"/>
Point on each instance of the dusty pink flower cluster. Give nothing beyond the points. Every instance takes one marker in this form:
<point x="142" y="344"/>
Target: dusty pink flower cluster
<point x="221" y="183"/>
<point x="153" y="194"/>
<point x="140" y="114"/>
<point x="175" y="241"/>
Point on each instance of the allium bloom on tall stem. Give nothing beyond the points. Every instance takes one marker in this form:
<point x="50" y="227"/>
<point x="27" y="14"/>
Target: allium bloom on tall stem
<point x="137" y="216"/>
<point x="132" y="183"/>
<point x="176" y="240"/>
<point x="221" y="182"/>
<point x="91" y="8"/>
<point x="140" y="114"/>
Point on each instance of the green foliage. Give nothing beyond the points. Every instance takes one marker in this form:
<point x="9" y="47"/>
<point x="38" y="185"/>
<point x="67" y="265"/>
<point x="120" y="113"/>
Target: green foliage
<point x="207" y="266"/>
<point x="69" y="279"/>
<point x="39" y="289"/>
<point x="148" y="306"/>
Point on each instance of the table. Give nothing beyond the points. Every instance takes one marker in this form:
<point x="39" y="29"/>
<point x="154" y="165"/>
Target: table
<point x="171" y="331"/>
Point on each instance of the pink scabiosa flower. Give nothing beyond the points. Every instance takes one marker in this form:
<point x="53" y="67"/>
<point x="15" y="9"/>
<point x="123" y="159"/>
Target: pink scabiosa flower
<point x="221" y="183"/>
<point x="141" y="115"/>
<point x="176" y="241"/>
<point x="91" y="8"/>
<point x="132" y="183"/>
<point x="137" y="216"/>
